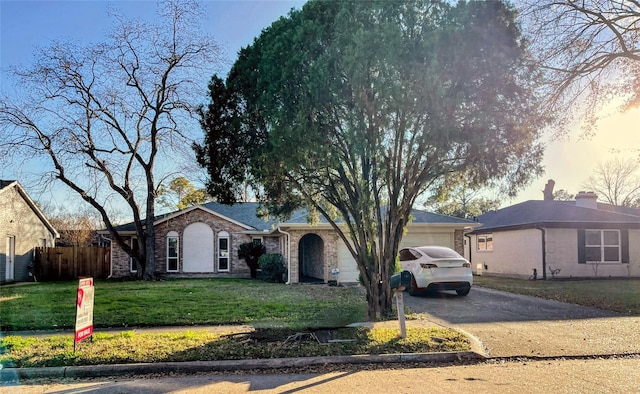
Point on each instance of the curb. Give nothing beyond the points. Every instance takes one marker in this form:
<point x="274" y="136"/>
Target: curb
<point x="191" y="367"/>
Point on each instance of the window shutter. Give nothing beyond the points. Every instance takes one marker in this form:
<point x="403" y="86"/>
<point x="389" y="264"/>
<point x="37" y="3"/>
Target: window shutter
<point x="582" y="258"/>
<point x="624" y="244"/>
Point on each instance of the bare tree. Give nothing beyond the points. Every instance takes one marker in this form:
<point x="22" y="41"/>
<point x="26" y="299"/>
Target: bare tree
<point x="591" y="51"/>
<point x="75" y="228"/>
<point x="105" y="115"/>
<point x="617" y="182"/>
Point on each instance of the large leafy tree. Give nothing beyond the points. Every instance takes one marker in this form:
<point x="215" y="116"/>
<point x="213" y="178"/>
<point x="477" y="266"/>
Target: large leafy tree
<point x="103" y="117"/>
<point x="453" y="195"/>
<point x="181" y="194"/>
<point x="356" y="108"/>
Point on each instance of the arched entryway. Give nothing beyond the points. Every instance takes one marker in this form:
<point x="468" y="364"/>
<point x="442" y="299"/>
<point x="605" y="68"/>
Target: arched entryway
<point x="311" y="259"/>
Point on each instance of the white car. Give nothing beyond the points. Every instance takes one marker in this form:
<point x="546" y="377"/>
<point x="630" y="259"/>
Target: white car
<point x="436" y="268"/>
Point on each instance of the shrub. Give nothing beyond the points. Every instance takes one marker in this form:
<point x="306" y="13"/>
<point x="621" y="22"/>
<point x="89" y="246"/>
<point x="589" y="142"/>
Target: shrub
<point x="251" y="253"/>
<point x="273" y="267"/>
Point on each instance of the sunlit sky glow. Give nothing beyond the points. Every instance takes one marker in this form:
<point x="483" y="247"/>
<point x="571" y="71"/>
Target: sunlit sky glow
<point x="28" y="25"/>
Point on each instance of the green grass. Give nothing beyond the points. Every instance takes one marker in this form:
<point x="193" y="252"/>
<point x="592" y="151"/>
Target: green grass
<point x="128" y="347"/>
<point x="276" y="310"/>
<point x="46" y="306"/>
<point x="617" y="295"/>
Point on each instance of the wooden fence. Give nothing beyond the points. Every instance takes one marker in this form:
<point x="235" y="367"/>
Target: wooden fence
<point x="68" y="263"/>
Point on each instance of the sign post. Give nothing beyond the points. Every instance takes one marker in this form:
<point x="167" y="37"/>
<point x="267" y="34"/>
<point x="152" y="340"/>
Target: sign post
<point x="400" y="307"/>
<point x="84" y="311"/>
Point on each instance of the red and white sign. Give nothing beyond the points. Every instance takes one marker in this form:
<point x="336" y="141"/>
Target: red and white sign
<point x="84" y="309"/>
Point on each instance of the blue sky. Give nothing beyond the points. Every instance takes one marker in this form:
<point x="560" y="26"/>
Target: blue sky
<point x="27" y="25"/>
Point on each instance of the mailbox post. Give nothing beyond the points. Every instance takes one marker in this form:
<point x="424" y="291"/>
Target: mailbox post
<point x="399" y="282"/>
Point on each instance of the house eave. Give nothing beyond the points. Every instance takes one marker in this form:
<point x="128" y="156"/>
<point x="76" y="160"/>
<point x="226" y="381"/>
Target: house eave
<point x="190" y="209"/>
<point x="32" y="205"/>
<point x="571" y="225"/>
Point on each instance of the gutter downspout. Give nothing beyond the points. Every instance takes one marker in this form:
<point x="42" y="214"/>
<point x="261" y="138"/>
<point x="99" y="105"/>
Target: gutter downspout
<point x="544" y="252"/>
<point x="467" y="236"/>
<point x="110" y="258"/>
<point x="288" y="254"/>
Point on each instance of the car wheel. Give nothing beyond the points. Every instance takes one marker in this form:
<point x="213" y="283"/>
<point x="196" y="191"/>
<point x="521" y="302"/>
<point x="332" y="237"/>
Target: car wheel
<point x="413" y="289"/>
<point x="463" y="291"/>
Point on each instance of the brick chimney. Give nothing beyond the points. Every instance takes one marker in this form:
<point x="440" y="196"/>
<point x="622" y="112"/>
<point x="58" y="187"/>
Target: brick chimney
<point x="587" y="200"/>
<point x="548" y="190"/>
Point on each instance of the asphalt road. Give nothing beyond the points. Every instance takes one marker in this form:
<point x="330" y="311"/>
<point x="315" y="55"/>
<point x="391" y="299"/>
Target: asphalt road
<point x="510" y="325"/>
<point x="549" y="376"/>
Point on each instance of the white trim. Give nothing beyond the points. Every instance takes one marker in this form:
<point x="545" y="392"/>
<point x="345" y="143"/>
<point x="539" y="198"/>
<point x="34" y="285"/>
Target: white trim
<point x="10" y="259"/>
<point x="602" y="246"/>
<point x="288" y="245"/>
<point x="223" y="235"/>
<point x="132" y="267"/>
<point x="31" y="205"/>
<point x="173" y="235"/>
<point x="486" y="237"/>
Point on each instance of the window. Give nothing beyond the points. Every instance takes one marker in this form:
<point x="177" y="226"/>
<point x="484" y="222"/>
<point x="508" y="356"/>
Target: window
<point x="256" y="240"/>
<point x="172" y="251"/>
<point x="485" y="242"/>
<point x="602" y="246"/>
<point x="223" y="251"/>
<point x="135" y="246"/>
<point x="408" y="255"/>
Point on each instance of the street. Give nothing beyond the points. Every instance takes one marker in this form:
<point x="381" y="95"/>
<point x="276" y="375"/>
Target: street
<point x="548" y="376"/>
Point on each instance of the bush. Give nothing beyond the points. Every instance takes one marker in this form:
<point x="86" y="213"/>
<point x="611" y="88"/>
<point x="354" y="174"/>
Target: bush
<point x="273" y="267"/>
<point x="251" y="253"/>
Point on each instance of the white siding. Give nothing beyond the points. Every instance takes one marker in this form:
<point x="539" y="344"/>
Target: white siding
<point x="562" y="253"/>
<point x="515" y="253"/>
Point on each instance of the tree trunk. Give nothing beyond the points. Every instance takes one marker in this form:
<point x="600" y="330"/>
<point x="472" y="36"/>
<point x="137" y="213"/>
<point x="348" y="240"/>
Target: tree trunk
<point x="378" y="301"/>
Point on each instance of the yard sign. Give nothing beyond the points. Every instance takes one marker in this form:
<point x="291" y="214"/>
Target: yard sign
<point x="84" y="310"/>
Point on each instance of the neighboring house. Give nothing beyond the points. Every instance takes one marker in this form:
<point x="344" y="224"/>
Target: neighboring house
<point x="563" y="239"/>
<point x="203" y="240"/>
<point x="23" y="227"/>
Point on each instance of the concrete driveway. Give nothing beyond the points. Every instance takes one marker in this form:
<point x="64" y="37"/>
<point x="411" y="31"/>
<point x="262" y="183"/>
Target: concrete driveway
<point x="511" y="325"/>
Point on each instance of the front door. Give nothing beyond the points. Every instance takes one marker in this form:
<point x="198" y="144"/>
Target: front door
<point x="11" y="258"/>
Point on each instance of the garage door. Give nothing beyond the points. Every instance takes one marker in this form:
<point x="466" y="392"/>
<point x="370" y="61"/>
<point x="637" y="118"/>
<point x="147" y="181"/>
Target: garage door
<point x="346" y="264"/>
<point x="421" y="239"/>
<point x="349" y="269"/>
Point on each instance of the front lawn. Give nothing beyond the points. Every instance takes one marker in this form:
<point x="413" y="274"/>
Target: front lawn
<point x="286" y="318"/>
<point x="617" y="295"/>
<point x="130" y="347"/>
<point x="183" y="302"/>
